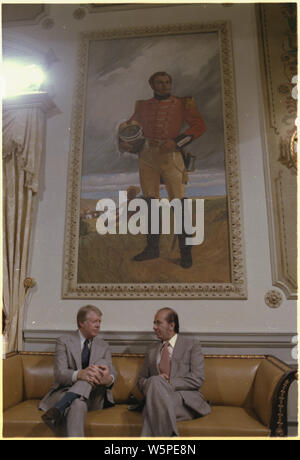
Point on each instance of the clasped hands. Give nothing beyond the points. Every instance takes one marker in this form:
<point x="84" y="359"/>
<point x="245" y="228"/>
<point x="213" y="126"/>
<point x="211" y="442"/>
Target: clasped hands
<point x="165" y="376"/>
<point x="96" y="375"/>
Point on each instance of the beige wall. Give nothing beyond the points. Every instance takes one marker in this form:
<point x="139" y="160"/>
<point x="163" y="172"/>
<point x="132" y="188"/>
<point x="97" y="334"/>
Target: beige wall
<point x="46" y="310"/>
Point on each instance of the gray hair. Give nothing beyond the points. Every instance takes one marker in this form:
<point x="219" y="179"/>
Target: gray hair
<point x="83" y="312"/>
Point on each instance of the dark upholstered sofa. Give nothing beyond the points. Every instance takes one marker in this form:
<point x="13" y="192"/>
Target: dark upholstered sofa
<point x="248" y="396"/>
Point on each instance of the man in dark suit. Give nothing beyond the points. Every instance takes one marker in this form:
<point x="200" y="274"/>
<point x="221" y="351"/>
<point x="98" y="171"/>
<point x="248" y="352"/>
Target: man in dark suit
<point x="83" y="373"/>
<point x="170" y="379"/>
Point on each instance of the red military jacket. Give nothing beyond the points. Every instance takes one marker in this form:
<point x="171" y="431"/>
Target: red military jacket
<point x="163" y="119"/>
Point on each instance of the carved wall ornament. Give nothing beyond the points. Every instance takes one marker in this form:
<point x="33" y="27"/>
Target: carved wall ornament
<point x="79" y="13"/>
<point x="273" y="298"/>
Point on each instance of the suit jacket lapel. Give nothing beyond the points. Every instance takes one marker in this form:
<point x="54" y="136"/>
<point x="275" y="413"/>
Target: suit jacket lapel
<point x="94" y="348"/>
<point x="154" y="359"/>
<point x="177" y="353"/>
<point x="75" y="348"/>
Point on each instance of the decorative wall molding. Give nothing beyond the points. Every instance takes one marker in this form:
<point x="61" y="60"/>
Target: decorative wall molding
<point x="98" y="8"/>
<point x="277" y="32"/>
<point x="21" y="14"/>
<point x="37" y="100"/>
<point x="277" y="344"/>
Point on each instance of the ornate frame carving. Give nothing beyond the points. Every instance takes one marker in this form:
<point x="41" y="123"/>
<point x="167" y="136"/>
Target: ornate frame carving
<point x="236" y="289"/>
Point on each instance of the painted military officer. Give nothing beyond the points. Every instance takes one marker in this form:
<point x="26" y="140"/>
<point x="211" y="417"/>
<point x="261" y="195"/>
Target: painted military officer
<point x="161" y="119"/>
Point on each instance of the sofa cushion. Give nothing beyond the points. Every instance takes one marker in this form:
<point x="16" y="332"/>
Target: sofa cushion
<point x="24" y="420"/>
<point x="38" y="375"/>
<point x="224" y="421"/>
<point x="128" y="368"/>
<point x="228" y="380"/>
<point x="115" y="421"/>
<point x="13" y="374"/>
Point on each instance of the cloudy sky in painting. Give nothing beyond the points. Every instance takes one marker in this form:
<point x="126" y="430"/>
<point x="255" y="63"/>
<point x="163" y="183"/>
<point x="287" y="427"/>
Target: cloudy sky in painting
<point x="118" y="75"/>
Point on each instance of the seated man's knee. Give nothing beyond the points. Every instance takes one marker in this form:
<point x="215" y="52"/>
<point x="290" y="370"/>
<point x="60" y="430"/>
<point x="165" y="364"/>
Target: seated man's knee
<point x="79" y="405"/>
<point x="156" y="381"/>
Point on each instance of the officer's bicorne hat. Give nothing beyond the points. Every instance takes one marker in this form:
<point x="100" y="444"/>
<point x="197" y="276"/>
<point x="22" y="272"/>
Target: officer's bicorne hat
<point x="132" y="133"/>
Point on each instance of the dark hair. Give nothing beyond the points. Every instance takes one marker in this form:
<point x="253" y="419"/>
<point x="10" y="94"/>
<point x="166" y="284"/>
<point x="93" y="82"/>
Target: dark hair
<point x="83" y="312"/>
<point x="172" y="317"/>
<point x="158" y="74"/>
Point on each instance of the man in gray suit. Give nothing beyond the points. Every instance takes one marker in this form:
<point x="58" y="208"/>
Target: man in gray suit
<point x="170" y="379"/>
<point x="84" y="375"/>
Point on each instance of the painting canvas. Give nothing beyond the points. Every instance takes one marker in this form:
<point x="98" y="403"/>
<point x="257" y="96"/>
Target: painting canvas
<point x="114" y="69"/>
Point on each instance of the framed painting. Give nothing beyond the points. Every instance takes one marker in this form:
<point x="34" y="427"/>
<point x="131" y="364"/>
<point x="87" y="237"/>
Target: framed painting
<point x="195" y="61"/>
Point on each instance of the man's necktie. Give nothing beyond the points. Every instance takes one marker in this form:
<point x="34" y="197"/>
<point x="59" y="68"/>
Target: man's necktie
<point x="165" y="362"/>
<point x="85" y="355"/>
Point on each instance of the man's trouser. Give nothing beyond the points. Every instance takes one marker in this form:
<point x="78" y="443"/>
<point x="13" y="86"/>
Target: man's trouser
<point x="163" y="407"/>
<point x="155" y="167"/>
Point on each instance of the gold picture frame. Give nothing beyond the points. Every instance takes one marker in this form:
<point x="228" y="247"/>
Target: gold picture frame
<point x="74" y="283"/>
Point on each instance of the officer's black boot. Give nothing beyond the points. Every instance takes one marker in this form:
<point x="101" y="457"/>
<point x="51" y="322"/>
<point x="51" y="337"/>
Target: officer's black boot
<point x="186" y="260"/>
<point x="151" y="251"/>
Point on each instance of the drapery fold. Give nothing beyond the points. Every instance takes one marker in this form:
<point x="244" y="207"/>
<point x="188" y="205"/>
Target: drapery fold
<point x="23" y="140"/>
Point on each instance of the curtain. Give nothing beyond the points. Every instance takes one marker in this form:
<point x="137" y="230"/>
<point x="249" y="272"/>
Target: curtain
<point x="23" y="138"/>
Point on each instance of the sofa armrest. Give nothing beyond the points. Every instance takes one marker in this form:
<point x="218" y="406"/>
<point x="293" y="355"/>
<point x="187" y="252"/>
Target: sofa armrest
<point x="270" y="391"/>
<point x="12" y="381"/>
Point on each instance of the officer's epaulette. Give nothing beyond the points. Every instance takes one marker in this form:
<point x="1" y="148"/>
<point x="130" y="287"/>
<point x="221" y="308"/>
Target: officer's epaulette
<point x="188" y="102"/>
